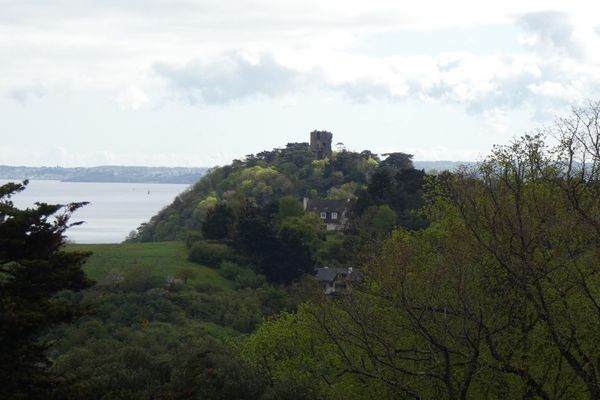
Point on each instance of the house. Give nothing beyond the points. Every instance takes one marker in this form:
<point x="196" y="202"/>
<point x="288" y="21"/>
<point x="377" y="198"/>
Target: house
<point x="332" y="212"/>
<point x="337" y="280"/>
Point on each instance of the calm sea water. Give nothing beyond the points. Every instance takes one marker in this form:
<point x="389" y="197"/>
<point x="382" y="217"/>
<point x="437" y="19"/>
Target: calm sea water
<point x="115" y="209"/>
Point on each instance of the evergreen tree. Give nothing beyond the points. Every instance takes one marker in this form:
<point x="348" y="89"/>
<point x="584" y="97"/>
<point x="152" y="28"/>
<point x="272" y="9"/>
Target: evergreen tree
<point x="33" y="268"/>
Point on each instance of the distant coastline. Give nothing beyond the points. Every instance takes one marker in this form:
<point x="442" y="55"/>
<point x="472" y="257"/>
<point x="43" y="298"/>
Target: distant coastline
<point x="125" y="174"/>
<point x="107" y="173"/>
<point x="439" y="166"/>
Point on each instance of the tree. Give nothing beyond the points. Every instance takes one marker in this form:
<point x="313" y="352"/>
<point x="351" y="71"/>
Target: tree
<point x="498" y="297"/>
<point x="219" y="222"/>
<point x="287" y="206"/>
<point x="398" y="161"/>
<point x="282" y="254"/>
<point x="298" y="238"/>
<point x="209" y="370"/>
<point x="33" y="268"/>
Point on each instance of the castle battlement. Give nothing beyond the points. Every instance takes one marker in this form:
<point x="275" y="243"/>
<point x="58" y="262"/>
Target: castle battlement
<point x="320" y="144"/>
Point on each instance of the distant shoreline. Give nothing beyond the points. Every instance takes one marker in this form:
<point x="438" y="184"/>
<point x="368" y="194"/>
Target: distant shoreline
<point x="106" y="174"/>
<point x="127" y="174"/>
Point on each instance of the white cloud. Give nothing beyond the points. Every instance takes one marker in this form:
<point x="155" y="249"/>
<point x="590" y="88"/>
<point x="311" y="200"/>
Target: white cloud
<point x="479" y="82"/>
<point x="203" y="49"/>
<point x="22" y="94"/>
<point x="132" y="99"/>
<point x="228" y="78"/>
<point x="190" y="57"/>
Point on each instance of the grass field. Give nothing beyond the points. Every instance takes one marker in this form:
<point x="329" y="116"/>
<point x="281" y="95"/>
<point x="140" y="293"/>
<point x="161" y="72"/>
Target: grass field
<point x="161" y="259"/>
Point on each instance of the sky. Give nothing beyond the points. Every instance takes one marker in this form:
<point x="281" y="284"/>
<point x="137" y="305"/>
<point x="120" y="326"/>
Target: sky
<point x="198" y="83"/>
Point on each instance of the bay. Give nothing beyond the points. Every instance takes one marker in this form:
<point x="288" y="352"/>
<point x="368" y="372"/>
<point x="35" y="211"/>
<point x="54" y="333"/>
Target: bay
<point x="115" y="209"/>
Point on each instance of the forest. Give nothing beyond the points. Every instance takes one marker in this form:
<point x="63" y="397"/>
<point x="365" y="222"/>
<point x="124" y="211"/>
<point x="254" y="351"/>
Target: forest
<point x="480" y="283"/>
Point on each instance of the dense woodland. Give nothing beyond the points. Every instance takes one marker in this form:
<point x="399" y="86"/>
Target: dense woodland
<point x="481" y="283"/>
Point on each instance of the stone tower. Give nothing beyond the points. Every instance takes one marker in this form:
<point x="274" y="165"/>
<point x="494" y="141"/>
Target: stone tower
<point x="320" y="144"/>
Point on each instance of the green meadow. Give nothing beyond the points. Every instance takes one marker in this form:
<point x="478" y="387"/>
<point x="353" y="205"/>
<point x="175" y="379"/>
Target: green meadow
<point x="161" y="259"/>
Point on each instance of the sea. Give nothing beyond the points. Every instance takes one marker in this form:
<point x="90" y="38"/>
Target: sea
<point x="115" y="209"/>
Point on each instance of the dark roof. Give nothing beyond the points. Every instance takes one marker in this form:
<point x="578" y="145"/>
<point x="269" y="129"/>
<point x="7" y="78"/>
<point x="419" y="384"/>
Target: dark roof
<point x="330" y="274"/>
<point x="320" y="205"/>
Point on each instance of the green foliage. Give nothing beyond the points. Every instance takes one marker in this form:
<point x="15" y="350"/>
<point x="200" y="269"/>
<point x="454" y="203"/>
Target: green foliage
<point x="210" y="370"/>
<point x="382" y="219"/>
<point x="204" y="205"/>
<point x="288" y="206"/>
<point x="148" y="338"/>
<point x="218" y="222"/>
<point x="345" y="191"/>
<point x="281" y="255"/>
<point x="139" y="279"/>
<point x="301" y="362"/>
<point x="210" y="253"/>
<point x="229" y="270"/>
<point x="185" y="274"/>
<point x="397" y="161"/>
<point x="33" y="269"/>
<point x="497" y="298"/>
<point x="261" y="179"/>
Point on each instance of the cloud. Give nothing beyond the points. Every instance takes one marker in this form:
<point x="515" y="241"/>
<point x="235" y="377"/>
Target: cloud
<point x="550" y="33"/>
<point x="23" y="94"/>
<point x="480" y="83"/>
<point x="132" y="99"/>
<point x="214" y="53"/>
<point x="229" y="78"/>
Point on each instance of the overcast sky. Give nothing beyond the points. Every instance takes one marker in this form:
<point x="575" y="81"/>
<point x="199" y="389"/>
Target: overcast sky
<point x="198" y="83"/>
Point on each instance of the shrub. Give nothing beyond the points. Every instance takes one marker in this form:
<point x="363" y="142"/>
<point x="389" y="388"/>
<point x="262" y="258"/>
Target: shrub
<point x="249" y="279"/>
<point x="140" y="279"/>
<point x="211" y="254"/>
<point x="206" y="287"/>
<point x="229" y="270"/>
<point x="192" y="237"/>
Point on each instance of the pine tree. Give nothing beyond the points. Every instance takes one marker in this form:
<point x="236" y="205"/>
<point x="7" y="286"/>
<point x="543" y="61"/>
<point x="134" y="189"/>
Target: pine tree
<point x="33" y="268"/>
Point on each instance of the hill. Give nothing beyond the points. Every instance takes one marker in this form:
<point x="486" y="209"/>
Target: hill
<point x="255" y="210"/>
<point x="261" y="179"/>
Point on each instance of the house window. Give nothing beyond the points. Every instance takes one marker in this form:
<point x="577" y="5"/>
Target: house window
<point x="334" y="215"/>
<point x="323" y="215"/>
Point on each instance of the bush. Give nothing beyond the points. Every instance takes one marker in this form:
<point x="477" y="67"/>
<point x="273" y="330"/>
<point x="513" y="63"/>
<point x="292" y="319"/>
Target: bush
<point x="140" y="279"/>
<point x="229" y="270"/>
<point x="211" y="254"/>
<point x="243" y="276"/>
<point x="192" y="237"/>
<point x="249" y="279"/>
<point x="206" y="287"/>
